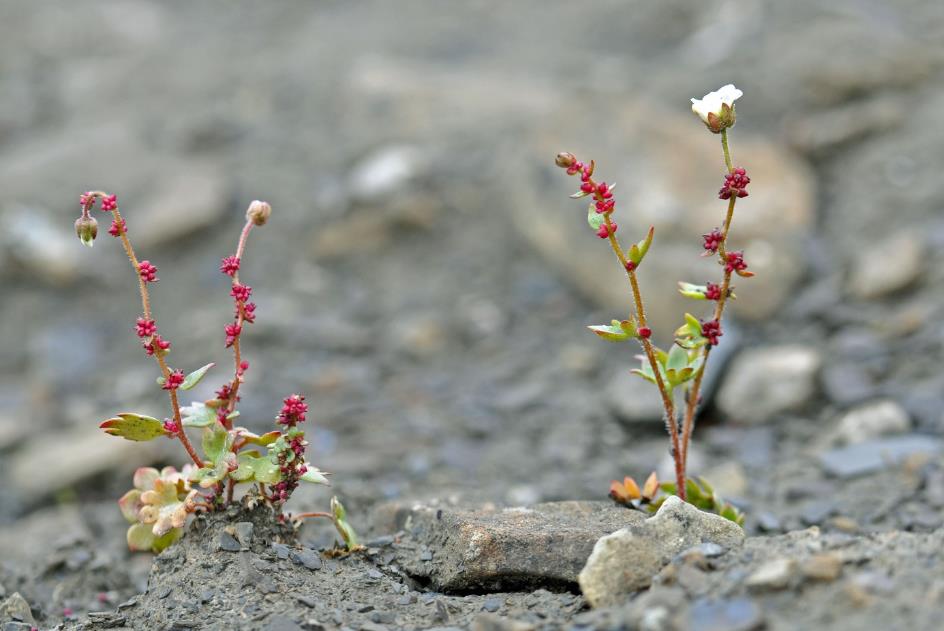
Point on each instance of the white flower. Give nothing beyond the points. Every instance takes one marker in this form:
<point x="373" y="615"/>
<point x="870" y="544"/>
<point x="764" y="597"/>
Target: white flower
<point x="716" y="109"/>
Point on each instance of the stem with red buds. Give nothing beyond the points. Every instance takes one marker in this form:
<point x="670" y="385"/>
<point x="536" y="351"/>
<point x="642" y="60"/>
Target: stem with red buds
<point x="240" y="321"/>
<point x="694" y="393"/>
<point x="90" y="198"/>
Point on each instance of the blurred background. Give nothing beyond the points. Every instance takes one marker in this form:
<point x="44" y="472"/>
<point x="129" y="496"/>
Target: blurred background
<point x="424" y="278"/>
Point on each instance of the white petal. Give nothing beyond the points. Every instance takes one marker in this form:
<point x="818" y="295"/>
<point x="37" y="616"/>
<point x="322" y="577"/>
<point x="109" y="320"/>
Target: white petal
<point x="729" y="94"/>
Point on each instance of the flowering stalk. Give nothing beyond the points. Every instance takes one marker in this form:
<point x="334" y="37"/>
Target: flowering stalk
<point x="603" y="206"/>
<point x="683" y="365"/>
<point x="146" y="328"/>
<point x="734" y="188"/>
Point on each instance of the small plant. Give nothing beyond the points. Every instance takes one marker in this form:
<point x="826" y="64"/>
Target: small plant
<point x="682" y="367"/>
<point x="274" y="463"/>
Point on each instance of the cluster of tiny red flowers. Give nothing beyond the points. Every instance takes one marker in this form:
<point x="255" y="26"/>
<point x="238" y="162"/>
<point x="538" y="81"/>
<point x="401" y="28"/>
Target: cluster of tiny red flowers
<point x="712" y="242"/>
<point x="148" y="272"/>
<point x="229" y="265"/>
<point x="117" y="228"/>
<point x="713" y="291"/>
<point x="145" y="327"/>
<point x="157" y="344"/>
<point x="109" y="203"/>
<point x="735" y="184"/>
<point x="602" y="193"/>
<point x="711" y="330"/>
<point x="734" y="262"/>
<point x="171" y="427"/>
<point x="232" y="332"/>
<point x="293" y="411"/>
<point x="292" y="467"/>
<point x="174" y="380"/>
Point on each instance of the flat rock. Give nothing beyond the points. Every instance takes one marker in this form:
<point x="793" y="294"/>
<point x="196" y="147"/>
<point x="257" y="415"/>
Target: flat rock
<point x="669" y="171"/>
<point x="737" y="614"/>
<point x="763" y="382"/>
<point x="773" y="574"/>
<point x="871" y="420"/>
<point x="872" y="277"/>
<point x="460" y="550"/>
<point x="16" y="609"/>
<point x="875" y="455"/>
<point x="626" y="561"/>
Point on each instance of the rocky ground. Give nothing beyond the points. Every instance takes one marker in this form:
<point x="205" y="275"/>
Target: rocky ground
<point x="425" y="281"/>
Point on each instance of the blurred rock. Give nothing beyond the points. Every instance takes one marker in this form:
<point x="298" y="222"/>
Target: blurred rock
<point x="633" y="399"/>
<point x="32" y="242"/>
<point x="875" y="455"/>
<point x="76" y="456"/>
<point x="499" y="550"/>
<point x="184" y="201"/>
<point x="773" y="574"/>
<point x="870" y="421"/>
<point x="846" y="383"/>
<point x="386" y="171"/>
<point x="763" y="382"/>
<point x="16" y="609"/>
<point x="820" y="132"/>
<point x="728" y="479"/>
<point x="737" y="614"/>
<point x="626" y="561"/>
<point x="677" y="196"/>
<point x="887" y="267"/>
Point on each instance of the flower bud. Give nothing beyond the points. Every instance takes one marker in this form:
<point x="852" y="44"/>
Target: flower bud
<point x="565" y="160"/>
<point x="716" y="109"/>
<point x="259" y="212"/>
<point x="86" y="228"/>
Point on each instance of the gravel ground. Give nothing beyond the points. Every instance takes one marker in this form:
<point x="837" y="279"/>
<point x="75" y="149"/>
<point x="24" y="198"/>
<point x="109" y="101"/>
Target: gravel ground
<point x="426" y="282"/>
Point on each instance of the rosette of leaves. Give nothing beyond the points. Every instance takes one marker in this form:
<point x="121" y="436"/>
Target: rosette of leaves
<point x="702" y="495"/>
<point x="677" y="366"/>
<point x="157" y="508"/>
<point x="629" y="494"/>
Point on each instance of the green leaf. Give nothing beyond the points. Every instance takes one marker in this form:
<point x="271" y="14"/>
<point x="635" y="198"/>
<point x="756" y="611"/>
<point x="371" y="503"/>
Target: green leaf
<point x="314" y="476"/>
<point x="198" y="415"/>
<point x="696" y="292"/>
<point x="616" y="331"/>
<point x="263" y="441"/>
<point x="340" y="522"/>
<point x="678" y="358"/>
<point x="594" y="218"/>
<point x="254" y="467"/>
<point x="136" y="427"/>
<point x="194" y="378"/>
<point x="216" y="442"/>
<point x="639" y="250"/>
<point x="140" y="538"/>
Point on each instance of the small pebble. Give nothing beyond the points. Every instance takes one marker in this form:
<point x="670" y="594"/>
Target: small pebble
<point x="492" y="605"/>
<point x="228" y="543"/>
<point x="774" y="574"/>
<point x="822" y="567"/>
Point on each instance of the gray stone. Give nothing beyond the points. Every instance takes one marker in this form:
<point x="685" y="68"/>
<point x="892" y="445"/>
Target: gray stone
<point x="633" y="399"/>
<point x="228" y="543"/>
<point x="501" y="549"/>
<point x="31" y="241"/>
<point x="875" y="455"/>
<point x="738" y="614"/>
<point x="16" y="609"/>
<point x="626" y="561"/>
<point x="871" y="420"/>
<point x="871" y="276"/>
<point x="773" y="574"/>
<point x="244" y="533"/>
<point x="385" y="172"/>
<point x="280" y="622"/>
<point x="846" y="383"/>
<point x="307" y="557"/>
<point x="767" y="381"/>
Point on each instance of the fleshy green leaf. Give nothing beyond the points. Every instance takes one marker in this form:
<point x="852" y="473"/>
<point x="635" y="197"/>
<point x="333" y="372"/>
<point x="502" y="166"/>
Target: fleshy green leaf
<point x="696" y="292"/>
<point x="263" y="441"/>
<point x="140" y="538"/>
<point x="340" y="522"/>
<point x="314" y="476"/>
<point x="594" y="218"/>
<point x="136" y="427"/>
<point x="216" y="442"/>
<point x="194" y="378"/>
<point x="198" y="415"/>
<point x="255" y="467"/>
<point x="639" y="250"/>
<point x="616" y="331"/>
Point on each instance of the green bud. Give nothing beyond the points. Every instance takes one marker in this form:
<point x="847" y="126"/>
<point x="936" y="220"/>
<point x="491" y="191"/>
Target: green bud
<point x="86" y="228"/>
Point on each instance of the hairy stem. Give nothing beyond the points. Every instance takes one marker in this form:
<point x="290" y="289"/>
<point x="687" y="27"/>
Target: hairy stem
<point x="668" y="405"/>
<point x="146" y="307"/>
<point x="694" y="393"/>
<point x="237" y="354"/>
